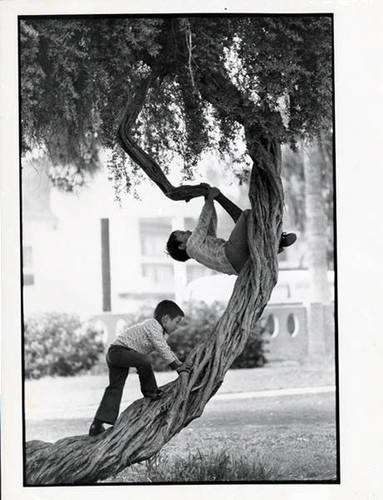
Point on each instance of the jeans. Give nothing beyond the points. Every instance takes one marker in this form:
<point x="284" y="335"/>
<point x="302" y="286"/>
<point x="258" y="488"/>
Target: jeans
<point x="119" y="359"/>
<point x="236" y="248"/>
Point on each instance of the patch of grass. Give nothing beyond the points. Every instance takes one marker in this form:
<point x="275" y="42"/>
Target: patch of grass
<point x="255" y="454"/>
<point x="223" y="465"/>
<point x="219" y="466"/>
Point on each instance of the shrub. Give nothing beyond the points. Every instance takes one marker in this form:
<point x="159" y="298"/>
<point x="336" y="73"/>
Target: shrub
<point x="199" y="321"/>
<point x="254" y="353"/>
<point x="58" y="344"/>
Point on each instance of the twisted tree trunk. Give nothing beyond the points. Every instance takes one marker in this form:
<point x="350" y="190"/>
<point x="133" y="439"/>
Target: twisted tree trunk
<point x="145" y="426"/>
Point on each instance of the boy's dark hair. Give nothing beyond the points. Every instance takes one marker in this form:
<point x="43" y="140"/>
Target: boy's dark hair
<point x="167" y="307"/>
<point x="172" y="248"/>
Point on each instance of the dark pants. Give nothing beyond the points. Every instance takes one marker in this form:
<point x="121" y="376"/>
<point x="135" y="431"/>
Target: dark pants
<point x="236" y="248"/>
<point x="119" y="360"/>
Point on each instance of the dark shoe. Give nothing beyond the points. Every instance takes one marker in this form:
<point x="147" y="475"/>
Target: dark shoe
<point x="287" y="239"/>
<point x="95" y="430"/>
<point x="154" y="395"/>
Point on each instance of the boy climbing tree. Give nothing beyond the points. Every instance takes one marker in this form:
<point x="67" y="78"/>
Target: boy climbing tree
<point x="202" y="244"/>
<point x="130" y="350"/>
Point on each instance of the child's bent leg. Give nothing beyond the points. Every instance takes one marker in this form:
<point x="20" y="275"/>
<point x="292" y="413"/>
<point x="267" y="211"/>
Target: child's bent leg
<point x="146" y="375"/>
<point x="119" y="361"/>
<point x="110" y="404"/>
<point x="144" y="369"/>
<point x="237" y="250"/>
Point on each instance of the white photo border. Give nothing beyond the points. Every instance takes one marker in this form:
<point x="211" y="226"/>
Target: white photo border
<point x="359" y="130"/>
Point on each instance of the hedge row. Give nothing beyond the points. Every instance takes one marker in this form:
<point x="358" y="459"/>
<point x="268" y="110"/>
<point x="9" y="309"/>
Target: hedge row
<point x="59" y="344"/>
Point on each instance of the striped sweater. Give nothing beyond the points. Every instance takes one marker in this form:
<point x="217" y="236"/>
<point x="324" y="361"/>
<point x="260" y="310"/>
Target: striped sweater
<point x="145" y="338"/>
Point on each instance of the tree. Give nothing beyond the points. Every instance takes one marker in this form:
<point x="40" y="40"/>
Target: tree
<point x="183" y="85"/>
<point x="320" y="310"/>
<point x="308" y="173"/>
<point x="296" y="184"/>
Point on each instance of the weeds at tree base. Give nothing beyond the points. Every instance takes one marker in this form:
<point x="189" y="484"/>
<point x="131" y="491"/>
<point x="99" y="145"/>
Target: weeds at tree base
<point x="198" y="467"/>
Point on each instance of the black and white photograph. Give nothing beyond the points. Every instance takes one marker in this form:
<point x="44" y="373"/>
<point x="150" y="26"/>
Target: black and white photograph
<point x="178" y="322"/>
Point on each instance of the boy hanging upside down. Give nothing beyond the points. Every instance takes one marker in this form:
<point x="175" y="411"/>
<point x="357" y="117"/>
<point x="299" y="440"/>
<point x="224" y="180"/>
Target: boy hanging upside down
<point x="205" y="247"/>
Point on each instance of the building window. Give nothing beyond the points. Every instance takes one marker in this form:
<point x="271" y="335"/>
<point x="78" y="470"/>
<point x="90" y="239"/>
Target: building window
<point x="156" y="268"/>
<point x="195" y="271"/>
<point x="28" y="277"/>
<point x="154" y="234"/>
<point x="159" y="274"/>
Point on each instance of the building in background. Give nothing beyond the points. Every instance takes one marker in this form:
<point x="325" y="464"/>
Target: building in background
<point x="87" y="254"/>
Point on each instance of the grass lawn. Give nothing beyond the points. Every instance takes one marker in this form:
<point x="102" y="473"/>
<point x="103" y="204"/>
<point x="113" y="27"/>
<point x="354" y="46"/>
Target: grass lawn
<point x="289" y="438"/>
<point x="282" y="454"/>
<point x="279" y="438"/>
<point x="72" y="397"/>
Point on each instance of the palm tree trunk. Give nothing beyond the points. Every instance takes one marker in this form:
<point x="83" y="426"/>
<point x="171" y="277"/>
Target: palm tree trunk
<point x="319" y="295"/>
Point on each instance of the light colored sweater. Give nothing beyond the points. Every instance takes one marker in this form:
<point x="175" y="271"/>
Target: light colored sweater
<point x="145" y="338"/>
<point x="204" y="246"/>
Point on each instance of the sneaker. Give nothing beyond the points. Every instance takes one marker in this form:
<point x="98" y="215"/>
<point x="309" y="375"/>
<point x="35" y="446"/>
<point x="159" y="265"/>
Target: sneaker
<point x="154" y="395"/>
<point x="287" y="239"/>
<point x="95" y="430"/>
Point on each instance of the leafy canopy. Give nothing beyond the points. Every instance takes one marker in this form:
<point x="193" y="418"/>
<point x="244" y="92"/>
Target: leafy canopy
<point x="77" y="73"/>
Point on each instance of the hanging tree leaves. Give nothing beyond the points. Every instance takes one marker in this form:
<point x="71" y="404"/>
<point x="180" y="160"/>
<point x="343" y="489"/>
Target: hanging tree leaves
<point x="77" y="73"/>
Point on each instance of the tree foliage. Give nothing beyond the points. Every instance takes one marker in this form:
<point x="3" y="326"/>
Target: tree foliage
<point x="77" y="74"/>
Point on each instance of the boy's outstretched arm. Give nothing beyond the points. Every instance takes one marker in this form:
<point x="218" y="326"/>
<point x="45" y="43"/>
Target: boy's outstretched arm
<point x="231" y="208"/>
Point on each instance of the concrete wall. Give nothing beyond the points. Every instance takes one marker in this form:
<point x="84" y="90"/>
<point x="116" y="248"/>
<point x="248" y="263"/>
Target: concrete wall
<point x="287" y="328"/>
<point x="286" y="324"/>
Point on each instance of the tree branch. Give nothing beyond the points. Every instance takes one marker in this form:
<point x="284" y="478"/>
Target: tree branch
<point x="146" y="162"/>
<point x="149" y="165"/>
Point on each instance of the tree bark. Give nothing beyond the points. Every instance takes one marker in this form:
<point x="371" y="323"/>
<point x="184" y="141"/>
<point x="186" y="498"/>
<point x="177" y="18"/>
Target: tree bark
<point x="145" y="426"/>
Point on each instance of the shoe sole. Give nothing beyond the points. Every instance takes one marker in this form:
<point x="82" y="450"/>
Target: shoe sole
<point x="288" y="241"/>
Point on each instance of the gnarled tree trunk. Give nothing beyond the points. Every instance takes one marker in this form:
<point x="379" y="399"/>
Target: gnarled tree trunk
<point x="145" y="426"/>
